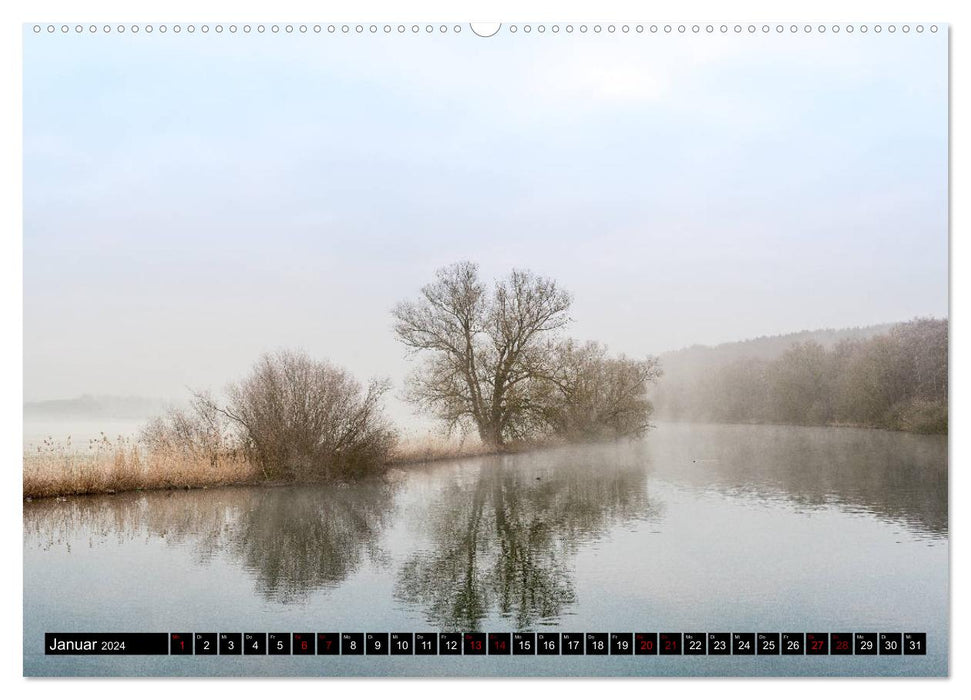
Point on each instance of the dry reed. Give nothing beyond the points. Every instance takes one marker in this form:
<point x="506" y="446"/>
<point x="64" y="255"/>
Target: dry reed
<point x="108" y="466"/>
<point x="56" y="468"/>
<point x="431" y="448"/>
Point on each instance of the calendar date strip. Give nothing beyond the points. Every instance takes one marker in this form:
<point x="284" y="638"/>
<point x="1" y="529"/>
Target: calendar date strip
<point x="488" y="644"/>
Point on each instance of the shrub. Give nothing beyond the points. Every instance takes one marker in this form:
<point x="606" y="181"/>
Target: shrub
<point x="303" y="419"/>
<point x="201" y="433"/>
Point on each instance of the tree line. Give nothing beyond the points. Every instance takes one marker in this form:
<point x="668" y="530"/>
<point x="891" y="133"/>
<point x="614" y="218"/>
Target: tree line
<point x="897" y="379"/>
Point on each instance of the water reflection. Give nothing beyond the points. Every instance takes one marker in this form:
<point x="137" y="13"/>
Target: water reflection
<point x="898" y="477"/>
<point x="467" y="540"/>
<point x="295" y="541"/>
<point x="292" y="540"/>
<point x="503" y="538"/>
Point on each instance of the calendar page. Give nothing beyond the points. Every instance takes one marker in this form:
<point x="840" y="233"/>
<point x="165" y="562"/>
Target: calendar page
<point x="451" y="349"/>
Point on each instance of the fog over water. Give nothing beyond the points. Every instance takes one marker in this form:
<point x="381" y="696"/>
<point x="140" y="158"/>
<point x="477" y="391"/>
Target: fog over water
<point x="179" y="222"/>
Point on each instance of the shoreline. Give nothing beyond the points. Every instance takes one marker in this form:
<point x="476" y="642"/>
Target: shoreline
<point x="206" y="478"/>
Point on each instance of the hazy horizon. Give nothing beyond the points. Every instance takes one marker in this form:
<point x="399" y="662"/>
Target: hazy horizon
<point x="184" y="391"/>
<point x="191" y="202"/>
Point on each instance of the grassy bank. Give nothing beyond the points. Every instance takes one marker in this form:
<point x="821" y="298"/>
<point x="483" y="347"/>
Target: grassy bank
<point x="110" y="466"/>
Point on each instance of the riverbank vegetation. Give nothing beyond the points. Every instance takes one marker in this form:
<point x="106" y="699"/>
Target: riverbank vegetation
<point x="113" y="465"/>
<point x="496" y="373"/>
<point x="291" y="419"/>
<point x="896" y="379"/>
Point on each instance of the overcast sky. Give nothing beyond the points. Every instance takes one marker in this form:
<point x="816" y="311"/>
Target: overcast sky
<point x="192" y="201"/>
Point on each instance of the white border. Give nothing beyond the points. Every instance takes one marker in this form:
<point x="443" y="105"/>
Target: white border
<point x="11" y="316"/>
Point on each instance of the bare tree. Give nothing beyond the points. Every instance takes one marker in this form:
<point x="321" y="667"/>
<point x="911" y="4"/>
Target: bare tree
<point x="482" y="347"/>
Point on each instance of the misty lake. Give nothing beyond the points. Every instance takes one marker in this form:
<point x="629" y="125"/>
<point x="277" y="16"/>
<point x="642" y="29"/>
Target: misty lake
<point x="695" y="528"/>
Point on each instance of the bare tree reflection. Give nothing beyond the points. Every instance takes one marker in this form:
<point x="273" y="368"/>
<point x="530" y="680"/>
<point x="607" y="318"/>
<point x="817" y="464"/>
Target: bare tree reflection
<point x="504" y="539"/>
<point x="292" y="540"/>
<point x="295" y="541"/>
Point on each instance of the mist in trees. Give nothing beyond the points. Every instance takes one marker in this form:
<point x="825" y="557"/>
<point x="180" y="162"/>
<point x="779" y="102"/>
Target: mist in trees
<point x="493" y="362"/>
<point x="896" y="379"/>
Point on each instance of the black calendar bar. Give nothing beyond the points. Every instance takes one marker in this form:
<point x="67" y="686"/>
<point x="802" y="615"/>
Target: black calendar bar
<point x="382" y="644"/>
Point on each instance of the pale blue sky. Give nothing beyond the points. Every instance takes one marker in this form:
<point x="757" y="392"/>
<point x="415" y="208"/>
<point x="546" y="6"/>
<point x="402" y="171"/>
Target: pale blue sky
<point x="191" y="201"/>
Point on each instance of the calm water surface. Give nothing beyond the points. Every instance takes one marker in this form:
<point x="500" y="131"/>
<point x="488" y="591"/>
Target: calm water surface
<point x="695" y="528"/>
